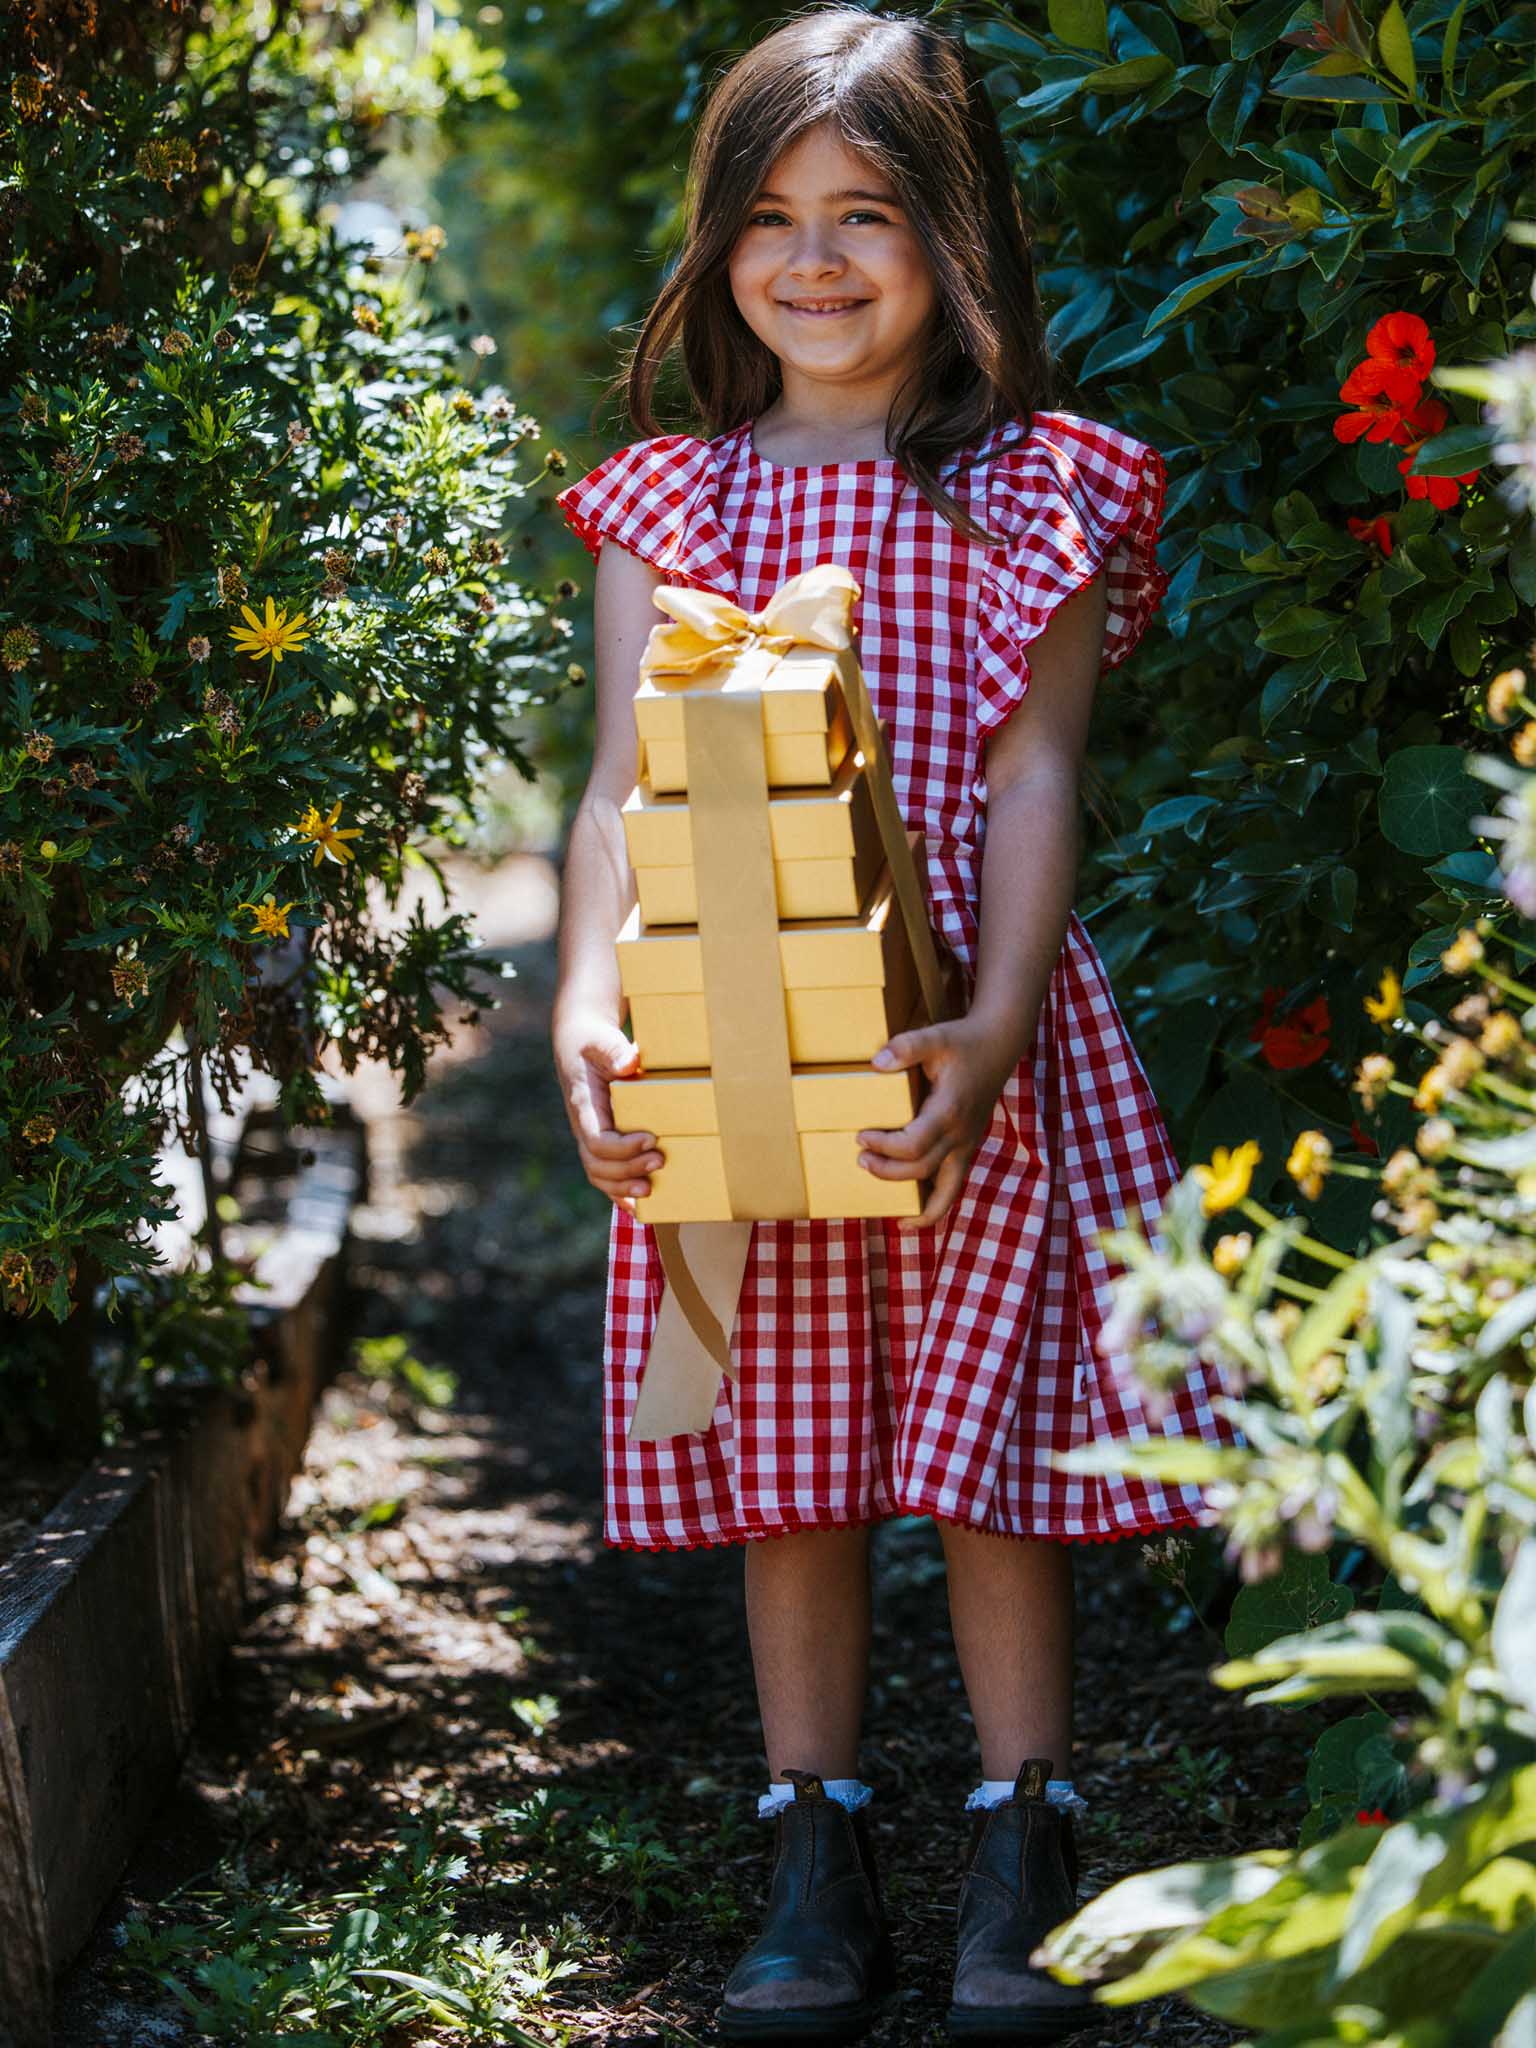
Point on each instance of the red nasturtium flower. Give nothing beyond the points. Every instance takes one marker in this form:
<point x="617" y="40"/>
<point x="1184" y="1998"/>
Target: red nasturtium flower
<point x="1383" y="394"/>
<point x="1427" y="418"/>
<point x="1378" y="530"/>
<point x="1402" y="338"/>
<point x="1364" y="1142"/>
<point x="1371" y="1817"/>
<point x="1298" y="1040"/>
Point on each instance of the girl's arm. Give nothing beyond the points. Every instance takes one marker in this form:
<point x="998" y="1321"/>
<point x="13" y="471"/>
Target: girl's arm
<point x="597" y="891"/>
<point x="1028" y="879"/>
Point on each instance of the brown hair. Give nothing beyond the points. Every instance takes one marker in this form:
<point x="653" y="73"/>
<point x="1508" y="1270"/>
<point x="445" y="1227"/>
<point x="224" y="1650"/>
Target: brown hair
<point x="905" y="94"/>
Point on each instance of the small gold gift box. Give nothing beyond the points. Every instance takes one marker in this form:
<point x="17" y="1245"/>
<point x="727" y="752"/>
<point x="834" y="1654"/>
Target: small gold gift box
<point x="832" y="1105"/>
<point x="806" y="730"/>
<point x="826" y="849"/>
<point x="848" y="983"/>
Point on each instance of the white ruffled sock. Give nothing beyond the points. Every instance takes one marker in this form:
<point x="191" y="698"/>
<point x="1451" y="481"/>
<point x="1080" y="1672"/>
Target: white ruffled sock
<point x="1059" y="1792"/>
<point x="850" y="1792"/>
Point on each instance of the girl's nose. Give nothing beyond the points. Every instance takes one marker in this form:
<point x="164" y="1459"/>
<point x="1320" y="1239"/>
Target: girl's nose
<point x="815" y="255"/>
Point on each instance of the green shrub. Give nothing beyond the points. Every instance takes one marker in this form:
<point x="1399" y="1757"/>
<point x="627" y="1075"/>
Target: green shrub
<point x="264" y="631"/>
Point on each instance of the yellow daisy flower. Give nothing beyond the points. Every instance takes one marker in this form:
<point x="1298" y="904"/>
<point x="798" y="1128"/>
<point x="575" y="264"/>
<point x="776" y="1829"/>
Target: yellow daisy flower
<point x="276" y="634"/>
<point x="1225" y="1181"/>
<point x="270" y="915"/>
<point x="1387" y="1002"/>
<point x="326" y="834"/>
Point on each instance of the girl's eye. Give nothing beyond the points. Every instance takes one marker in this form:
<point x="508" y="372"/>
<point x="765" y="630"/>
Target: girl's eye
<point x="858" y="213"/>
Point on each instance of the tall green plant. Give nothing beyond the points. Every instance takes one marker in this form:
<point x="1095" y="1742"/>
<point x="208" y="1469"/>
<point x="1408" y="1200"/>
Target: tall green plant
<point x="264" y="629"/>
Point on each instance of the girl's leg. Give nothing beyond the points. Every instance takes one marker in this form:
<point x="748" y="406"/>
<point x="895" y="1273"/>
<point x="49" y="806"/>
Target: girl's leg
<point x="808" y="1616"/>
<point x="1010" y="1606"/>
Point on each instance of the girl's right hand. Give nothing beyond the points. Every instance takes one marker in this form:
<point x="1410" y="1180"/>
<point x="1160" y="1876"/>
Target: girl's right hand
<point x="590" y="1051"/>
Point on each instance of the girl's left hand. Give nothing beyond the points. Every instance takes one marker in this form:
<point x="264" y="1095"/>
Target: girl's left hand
<point x="966" y="1068"/>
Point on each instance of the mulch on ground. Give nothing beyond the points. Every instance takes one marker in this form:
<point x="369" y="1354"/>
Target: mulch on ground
<point x="441" y="1624"/>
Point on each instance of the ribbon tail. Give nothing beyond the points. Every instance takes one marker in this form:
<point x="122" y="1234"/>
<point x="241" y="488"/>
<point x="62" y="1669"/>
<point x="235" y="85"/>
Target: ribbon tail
<point x="691" y="1344"/>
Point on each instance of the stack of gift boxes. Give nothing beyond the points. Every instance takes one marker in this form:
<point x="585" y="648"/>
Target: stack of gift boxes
<point x="849" y="979"/>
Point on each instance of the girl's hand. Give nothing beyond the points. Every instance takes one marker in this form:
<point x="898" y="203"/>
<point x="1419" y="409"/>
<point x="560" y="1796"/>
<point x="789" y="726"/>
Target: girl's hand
<point x="590" y="1051"/>
<point x="967" y="1068"/>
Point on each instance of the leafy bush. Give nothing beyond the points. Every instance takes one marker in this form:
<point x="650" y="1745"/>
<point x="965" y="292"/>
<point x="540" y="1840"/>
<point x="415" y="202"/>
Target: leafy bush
<point x="263" y="632"/>
<point x="1388" y="1414"/>
<point x="1269" y="232"/>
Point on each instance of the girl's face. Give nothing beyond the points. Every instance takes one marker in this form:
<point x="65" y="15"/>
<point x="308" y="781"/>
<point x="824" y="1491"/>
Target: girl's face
<point x="828" y="271"/>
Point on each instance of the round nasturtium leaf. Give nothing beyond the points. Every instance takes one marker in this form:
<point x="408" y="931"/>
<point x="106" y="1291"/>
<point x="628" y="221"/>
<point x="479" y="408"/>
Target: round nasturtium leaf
<point x="1428" y="800"/>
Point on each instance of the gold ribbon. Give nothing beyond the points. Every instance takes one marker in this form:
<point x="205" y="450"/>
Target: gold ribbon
<point x="708" y="640"/>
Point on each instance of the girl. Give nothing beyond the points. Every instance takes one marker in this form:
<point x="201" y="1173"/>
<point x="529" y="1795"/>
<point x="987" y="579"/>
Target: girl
<point x="856" y="312"/>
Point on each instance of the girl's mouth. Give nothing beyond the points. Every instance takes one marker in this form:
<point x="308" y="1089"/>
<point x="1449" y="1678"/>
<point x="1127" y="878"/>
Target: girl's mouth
<point x="812" y="309"/>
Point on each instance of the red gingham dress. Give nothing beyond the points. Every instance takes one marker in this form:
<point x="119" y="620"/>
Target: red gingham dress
<point x="930" y="1374"/>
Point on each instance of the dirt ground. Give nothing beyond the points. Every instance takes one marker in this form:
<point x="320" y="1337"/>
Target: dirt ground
<point x="440" y="1628"/>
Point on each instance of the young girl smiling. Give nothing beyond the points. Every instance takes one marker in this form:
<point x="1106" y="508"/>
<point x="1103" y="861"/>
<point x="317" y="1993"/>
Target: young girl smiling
<point x="857" y="319"/>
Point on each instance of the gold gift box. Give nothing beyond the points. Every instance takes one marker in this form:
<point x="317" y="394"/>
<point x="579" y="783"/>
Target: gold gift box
<point x="848" y="983"/>
<point x="806" y="730"/>
<point x="826" y="849"/>
<point x="832" y="1105"/>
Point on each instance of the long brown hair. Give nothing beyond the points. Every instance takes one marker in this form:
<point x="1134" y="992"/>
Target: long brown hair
<point x="905" y="94"/>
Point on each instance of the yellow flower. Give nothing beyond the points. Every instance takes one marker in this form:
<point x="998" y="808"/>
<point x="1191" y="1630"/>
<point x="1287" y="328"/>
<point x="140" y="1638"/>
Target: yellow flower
<point x="1434" y="1137"/>
<point x="1433" y="1087"/>
<point x="39" y="1130"/>
<point x="1231" y="1253"/>
<point x="1387" y="1002"/>
<point x="270" y="915"/>
<point x="49" y="849"/>
<point x="276" y="634"/>
<point x="1523" y="745"/>
<point x="1463" y="953"/>
<point x="325" y="833"/>
<point x="1311" y="1156"/>
<point x="1225" y="1180"/>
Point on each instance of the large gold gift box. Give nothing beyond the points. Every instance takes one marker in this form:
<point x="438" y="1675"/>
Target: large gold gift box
<point x="848" y="984"/>
<point x="806" y="730"/>
<point x="826" y="849"/>
<point x="832" y="1105"/>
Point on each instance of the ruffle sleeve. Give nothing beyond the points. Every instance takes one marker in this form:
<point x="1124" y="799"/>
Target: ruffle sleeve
<point x="1074" y="498"/>
<point x="659" y="499"/>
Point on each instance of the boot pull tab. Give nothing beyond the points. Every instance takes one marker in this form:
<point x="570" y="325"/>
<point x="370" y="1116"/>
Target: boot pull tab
<point x="1034" y="1773"/>
<point x="807" y="1784"/>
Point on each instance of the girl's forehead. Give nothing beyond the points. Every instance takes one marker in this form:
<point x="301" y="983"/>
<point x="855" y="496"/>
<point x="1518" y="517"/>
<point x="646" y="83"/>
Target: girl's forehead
<point x="819" y="159"/>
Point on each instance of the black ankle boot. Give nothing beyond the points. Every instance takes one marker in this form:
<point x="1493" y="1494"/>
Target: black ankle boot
<point x="823" y="1963"/>
<point x="1020" y="1881"/>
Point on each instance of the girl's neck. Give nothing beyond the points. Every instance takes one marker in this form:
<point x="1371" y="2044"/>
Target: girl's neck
<point x="810" y="437"/>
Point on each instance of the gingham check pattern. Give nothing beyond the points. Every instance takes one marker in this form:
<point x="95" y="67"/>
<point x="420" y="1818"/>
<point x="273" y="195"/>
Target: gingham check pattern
<point x="882" y="1374"/>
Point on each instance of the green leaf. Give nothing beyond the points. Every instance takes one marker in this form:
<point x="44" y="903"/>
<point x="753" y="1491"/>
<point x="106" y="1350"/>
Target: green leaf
<point x="1454" y="452"/>
<point x="1187" y="295"/>
<point x="1082" y="23"/>
<point x="1396" y="47"/>
<point x="1299" y="1596"/>
<point x="1334" y="1765"/>
<point x="1514" y="1629"/>
<point x="1260" y="26"/>
<point x="1428" y="800"/>
<point x="1130" y="76"/>
<point x="1318" y="85"/>
<point x="1427" y="1857"/>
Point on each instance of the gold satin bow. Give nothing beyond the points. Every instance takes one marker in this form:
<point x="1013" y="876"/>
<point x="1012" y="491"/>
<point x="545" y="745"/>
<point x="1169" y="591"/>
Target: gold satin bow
<point x="813" y="609"/>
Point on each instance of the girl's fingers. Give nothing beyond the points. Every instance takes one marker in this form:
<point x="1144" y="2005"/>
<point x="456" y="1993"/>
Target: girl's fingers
<point x="920" y="1168"/>
<point x="907" y="1048"/>
<point x="617" y="1148"/>
<point x="947" y="1183"/>
<point x="927" y="1129"/>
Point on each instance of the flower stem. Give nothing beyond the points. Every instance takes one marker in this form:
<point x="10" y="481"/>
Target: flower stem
<point x="1323" y="1252"/>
